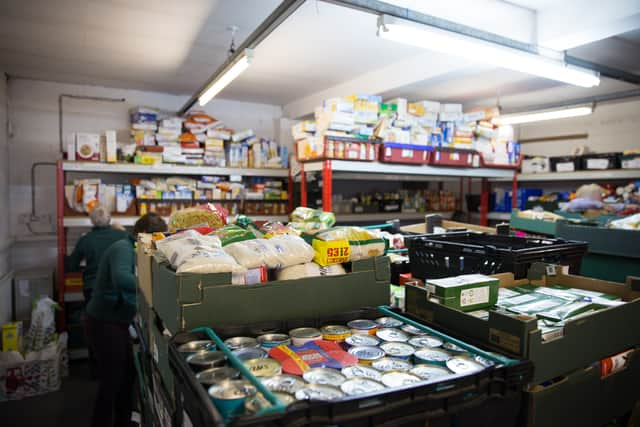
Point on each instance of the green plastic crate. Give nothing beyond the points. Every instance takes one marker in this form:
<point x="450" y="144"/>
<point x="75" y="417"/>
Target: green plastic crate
<point x="532" y="225"/>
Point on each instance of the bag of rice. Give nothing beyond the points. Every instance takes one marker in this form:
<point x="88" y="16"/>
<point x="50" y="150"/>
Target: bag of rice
<point x="209" y="214"/>
<point x="309" y="269"/>
<point x="341" y="244"/>
<point x="191" y="252"/>
<point x="277" y="252"/>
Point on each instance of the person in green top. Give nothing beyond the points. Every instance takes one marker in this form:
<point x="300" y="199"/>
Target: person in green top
<point x="109" y="314"/>
<point x="91" y="246"/>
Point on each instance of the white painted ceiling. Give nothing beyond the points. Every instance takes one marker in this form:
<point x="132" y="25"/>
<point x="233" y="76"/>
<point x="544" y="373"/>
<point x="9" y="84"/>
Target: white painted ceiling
<point x="174" y="47"/>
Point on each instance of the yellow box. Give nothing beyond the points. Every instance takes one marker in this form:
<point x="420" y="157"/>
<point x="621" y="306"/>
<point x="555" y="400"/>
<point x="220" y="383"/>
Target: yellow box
<point x="12" y="336"/>
<point x="331" y="252"/>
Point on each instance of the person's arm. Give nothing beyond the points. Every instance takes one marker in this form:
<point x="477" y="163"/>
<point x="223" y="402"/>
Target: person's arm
<point x="122" y="274"/>
<point x="72" y="262"/>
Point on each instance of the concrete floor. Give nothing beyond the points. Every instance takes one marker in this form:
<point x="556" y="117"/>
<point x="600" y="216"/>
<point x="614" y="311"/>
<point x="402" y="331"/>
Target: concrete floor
<point x="71" y="406"/>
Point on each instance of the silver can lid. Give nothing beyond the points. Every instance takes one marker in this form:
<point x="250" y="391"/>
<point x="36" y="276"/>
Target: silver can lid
<point x="232" y="389"/>
<point x="366" y="352"/>
<point x="432" y="355"/>
<point x="362" y="324"/>
<point x="324" y="376"/>
<point x="362" y="340"/>
<point x="207" y="358"/>
<point x="392" y="334"/>
<point x="283" y="383"/>
<point x="387" y="364"/>
<point x="359" y="371"/>
<point x="335" y="330"/>
<point x="305" y="333"/>
<point x="399" y="379"/>
<point x="389" y="322"/>
<point x="412" y="330"/>
<point x="217" y="375"/>
<point x="449" y="346"/>
<point x="397" y="349"/>
<point x="248" y="353"/>
<point x="273" y="339"/>
<point x="355" y="386"/>
<point x="319" y="392"/>
<point x="236" y="343"/>
<point x="425" y="341"/>
<point x="195" y="346"/>
<point x="464" y="365"/>
<point x="430" y="372"/>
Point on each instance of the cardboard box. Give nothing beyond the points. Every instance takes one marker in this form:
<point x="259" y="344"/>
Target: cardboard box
<point x="520" y="335"/>
<point x="468" y="292"/>
<point x="12" y="336"/>
<point x="87" y="146"/>
<point x="536" y="165"/>
<point x="110" y="147"/>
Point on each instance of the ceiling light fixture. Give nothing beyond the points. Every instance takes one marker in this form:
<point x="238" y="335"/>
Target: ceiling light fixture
<point x="537" y="116"/>
<point x="452" y="43"/>
<point x="230" y="74"/>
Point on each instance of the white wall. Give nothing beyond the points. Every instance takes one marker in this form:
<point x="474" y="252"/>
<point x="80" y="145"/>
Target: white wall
<point x="34" y="116"/>
<point x="5" y="238"/>
<point x="611" y="127"/>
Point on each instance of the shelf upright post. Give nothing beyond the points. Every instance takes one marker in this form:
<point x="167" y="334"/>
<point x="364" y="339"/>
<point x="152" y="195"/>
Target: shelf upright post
<point x="62" y="240"/>
<point x="327" y="184"/>
<point x="484" y="202"/>
<point x="303" y="186"/>
<point x="461" y="194"/>
<point x="514" y="190"/>
<point x="289" y="192"/>
<point x="469" y="191"/>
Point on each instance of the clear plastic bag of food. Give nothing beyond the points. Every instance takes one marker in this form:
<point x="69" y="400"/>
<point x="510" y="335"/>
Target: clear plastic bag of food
<point x="341" y="244"/>
<point x="191" y="252"/>
<point x="271" y="229"/>
<point x="209" y="214"/>
<point x="309" y="269"/>
<point x="306" y="215"/>
<point x="277" y="252"/>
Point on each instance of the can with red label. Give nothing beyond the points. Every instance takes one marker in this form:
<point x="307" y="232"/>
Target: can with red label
<point x="615" y="363"/>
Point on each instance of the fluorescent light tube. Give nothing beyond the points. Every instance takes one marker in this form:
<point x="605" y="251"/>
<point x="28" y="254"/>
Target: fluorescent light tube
<point x="227" y="77"/>
<point x="537" y="116"/>
<point x="451" y="43"/>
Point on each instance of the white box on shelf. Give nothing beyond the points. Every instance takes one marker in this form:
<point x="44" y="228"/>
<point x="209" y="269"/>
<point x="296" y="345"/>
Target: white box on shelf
<point x="87" y="146"/>
<point x="536" y="165"/>
<point x="110" y="151"/>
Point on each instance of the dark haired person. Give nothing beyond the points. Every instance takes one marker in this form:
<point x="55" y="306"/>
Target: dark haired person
<point x="109" y="314"/>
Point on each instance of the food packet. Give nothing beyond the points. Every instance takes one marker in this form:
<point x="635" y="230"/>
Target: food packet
<point x="209" y="214"/>
<point x="270" y="229"/>
<point x="191" y="252"/>
<point x="232" y="233"/>
<point x="277" y="252"/>
<point x="308" y="215"/>
<point x="296" y="360"/>
<point x="309" y="269"/>
<point x="341" y="244"/>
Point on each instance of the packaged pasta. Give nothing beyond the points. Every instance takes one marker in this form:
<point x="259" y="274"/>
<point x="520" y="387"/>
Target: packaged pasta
<point x="341" y="244"/>
<point x="207" y="215"/>
<point x="277" y="252"/>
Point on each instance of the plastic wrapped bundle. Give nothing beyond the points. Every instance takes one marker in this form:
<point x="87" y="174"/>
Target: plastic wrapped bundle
<point x="341" y="244"/>
<point x="210" y="215"/>
<point x="277" y="252"/>
<point x="311" y="220"/>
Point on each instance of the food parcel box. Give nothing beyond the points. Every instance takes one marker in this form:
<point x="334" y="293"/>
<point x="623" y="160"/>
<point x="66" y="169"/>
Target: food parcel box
<point x="189" y="300"/>
<point x="582" y="341"/>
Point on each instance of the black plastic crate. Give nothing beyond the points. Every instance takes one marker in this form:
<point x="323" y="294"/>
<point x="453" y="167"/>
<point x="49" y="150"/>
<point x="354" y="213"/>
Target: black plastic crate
<point x="453" y="254"/>
<point x="565" y="163"/>
<point x="601" y="161"/>
<point x="492" y="397"/>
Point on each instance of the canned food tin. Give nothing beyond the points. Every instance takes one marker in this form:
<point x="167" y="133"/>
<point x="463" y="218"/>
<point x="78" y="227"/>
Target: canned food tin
<point x="283" y="383"/>
<point x="400" y="350"/>
<point x="300" y="336"/>
<point x="356" y="386"/>
<point x="387" y="364"/>
<point x="249" y="353"/>
<point x="363" y="326"/>
<point x="285" y="398"/>
<point x="430" y="372"/>
<point x="229" y="396"/>
<point x="358" y="371"/>
<point x="431" y="355"/>
<point x="449" y="346"/>
<point x="263" y="367"/>
<point x="273" y="340"/>
<point x="464" y="365"/>
<point x="324" y="376"/>
<point x="362" y="340"/>
<point x="319" y="392"/>
<point x="337" y="333"/>
<point x="213" y="376"/>
<point x="258" y="402"/>
<point x="425" y="341"/>
<point x="412" y="330"/>
<point x="392" y="334"/>
<point x="389" y="322"/>
<point x="206" y="360"/>
<point x="398" y="379"/>
<point x="192" y="347"/>
<point x="484" y="362"/>
<point x="237" y="343"/>
<point x="366" y="354"/>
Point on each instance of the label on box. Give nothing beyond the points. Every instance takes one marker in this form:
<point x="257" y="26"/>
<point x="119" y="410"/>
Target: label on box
<point x="333" y="252"/>
<point x="407" y="154"/>
<point x="631" y="163"/>
<point x="474" y="296"/>
<point x="597" y="163"/>
<point x="565" y="167"/>
<point x="505" y="340"/>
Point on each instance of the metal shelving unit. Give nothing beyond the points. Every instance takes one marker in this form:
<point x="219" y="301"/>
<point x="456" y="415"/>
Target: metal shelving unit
<point x="169" y="169"/>
<point x="593" y="175"/>
<point x="83" y="221"/>
<point x="383" y="216"/>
